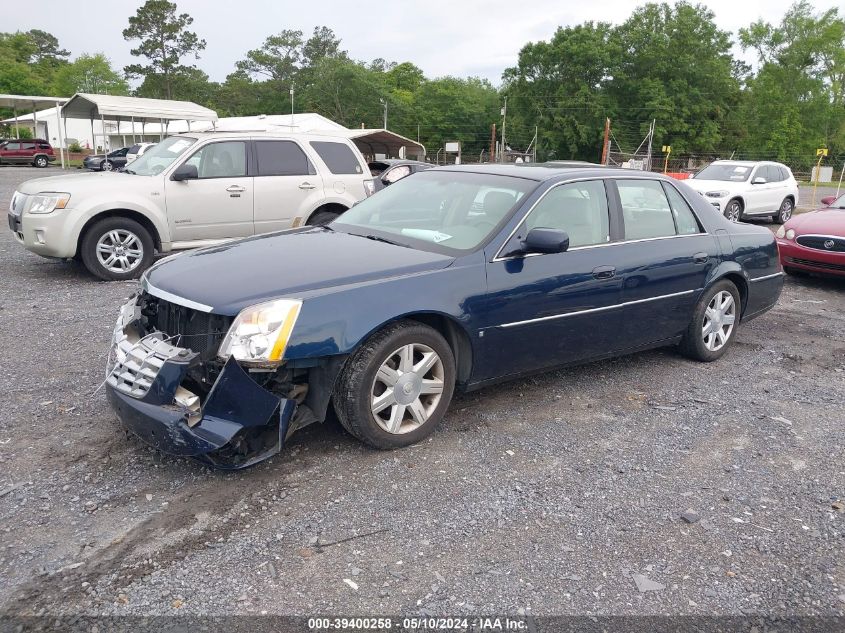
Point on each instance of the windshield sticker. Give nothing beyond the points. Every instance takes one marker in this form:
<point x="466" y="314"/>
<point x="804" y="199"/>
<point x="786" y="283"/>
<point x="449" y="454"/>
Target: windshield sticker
<point x="427" y="234"/>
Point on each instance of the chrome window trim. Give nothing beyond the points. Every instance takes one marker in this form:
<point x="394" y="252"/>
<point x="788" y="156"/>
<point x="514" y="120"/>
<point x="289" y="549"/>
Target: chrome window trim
<point x="593" y="310"/>
<point x="765" y="277"/>
<point x="172" y="298"/>
<point x="498" y="257"/>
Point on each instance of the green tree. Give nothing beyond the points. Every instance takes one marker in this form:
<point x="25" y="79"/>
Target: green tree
<point x="89" y="73"/>
<point x="164" y="40"/>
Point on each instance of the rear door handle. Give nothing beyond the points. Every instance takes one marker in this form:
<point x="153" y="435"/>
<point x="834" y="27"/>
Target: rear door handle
<point x="307" y="185"/>
<point x="700" y="258"/>
<point x="235" y="189"/>
<point x="604" y="272"/>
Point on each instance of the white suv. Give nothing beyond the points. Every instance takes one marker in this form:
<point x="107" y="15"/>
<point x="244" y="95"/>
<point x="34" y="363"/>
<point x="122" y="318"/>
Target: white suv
<point x="189" y="190"/>
<point x="741" y="189"/>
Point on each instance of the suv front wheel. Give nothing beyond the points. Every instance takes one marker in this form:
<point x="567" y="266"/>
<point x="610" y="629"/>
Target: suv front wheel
<point x="115" y="249"/>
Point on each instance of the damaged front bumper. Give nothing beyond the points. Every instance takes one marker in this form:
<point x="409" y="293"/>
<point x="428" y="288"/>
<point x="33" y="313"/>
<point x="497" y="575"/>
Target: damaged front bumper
<point x="238" y="424"/>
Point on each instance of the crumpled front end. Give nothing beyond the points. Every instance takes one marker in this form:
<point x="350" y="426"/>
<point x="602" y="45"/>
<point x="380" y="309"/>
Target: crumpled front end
<point x="173" y="393"/>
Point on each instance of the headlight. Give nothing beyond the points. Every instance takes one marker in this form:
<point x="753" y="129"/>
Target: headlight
<point x="780" y="232"/>
<point x="790" y="234"/>
<point x="261" y="332"/>
<point x="717" y="194"/>
<point x="48" y="202"/>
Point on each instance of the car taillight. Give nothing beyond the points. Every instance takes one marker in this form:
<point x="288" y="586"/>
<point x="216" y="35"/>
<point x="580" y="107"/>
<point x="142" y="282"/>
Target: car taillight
<point x="369" y="187"/>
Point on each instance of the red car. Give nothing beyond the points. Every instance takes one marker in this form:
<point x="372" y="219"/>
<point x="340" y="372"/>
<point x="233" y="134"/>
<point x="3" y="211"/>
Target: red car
<point x="36" y="152"/>
<point x="815" y="241"/>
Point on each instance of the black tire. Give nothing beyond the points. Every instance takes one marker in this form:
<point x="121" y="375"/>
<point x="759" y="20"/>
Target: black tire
<point x="692" y="344"/>
<point x="106" y="166"/>
<point x="321" y="218"/>
<point x="787" y="207"/>
<point x="40" y="161"/>
<point x="88" y="248"/>
<point x="353" y="389"/>
<point x="733" y="210"/>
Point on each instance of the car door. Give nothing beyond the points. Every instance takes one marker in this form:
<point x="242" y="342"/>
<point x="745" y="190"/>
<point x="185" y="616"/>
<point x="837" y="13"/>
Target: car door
<point x="218" y="203"/>
<point x="11" y="152"/>
<point x="667" y="257"/>
<point x="26" y="154"/>
<point x="757" y="195"/>
<point x="777" y="189"/>
<point x="550" y="309"/>
<point x="286" y="183"/>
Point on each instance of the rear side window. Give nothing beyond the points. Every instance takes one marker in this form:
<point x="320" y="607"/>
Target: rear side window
<point x="282" y="158"/>
<point x="44" y="146"/>
<point x="645" y="209"/>
<point x="339" y="158"/>
<point x="579" y="208"/>
<point x="773" y="173"/>
<point x="685" y="221"/>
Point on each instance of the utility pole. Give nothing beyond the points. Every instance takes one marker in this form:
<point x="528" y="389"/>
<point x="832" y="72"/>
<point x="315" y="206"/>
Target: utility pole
<point x="291" y="106"/>
<point x="384" y="103"/>
<point x="650" y="139"/>
<point x="536" y="140"/>
<point x="493" y="143"/>
<point x="604" y="146"/>
<point x="503" y="155"/>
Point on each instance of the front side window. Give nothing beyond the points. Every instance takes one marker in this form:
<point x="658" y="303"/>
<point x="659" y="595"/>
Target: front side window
<point x="282" y="158"/>
<point x="442" y="211"/>
<point x="338" y="157"/>
<point x="226" y="159"/>
<point x="645" y="209"/>
<point x="12" y="146"/>
<point x="158" y="158"/>
<point x="579" y="208"/>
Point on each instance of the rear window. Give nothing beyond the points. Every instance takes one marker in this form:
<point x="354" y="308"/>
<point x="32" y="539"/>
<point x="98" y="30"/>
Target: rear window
<point x="282" y="158"/>
<point x="339" y="158"/>
<point x="134" y="149"/>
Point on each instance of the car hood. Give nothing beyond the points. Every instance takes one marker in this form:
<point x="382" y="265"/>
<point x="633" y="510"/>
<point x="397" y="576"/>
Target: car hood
<point x="293" y="263"/>
<point x="712" y="185"/>
<point x="68" y="183"/>
<point x="820" y="222"/>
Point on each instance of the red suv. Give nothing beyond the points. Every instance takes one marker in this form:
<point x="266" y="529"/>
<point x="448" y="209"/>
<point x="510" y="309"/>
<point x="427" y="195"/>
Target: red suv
<point x="37" y="152"/>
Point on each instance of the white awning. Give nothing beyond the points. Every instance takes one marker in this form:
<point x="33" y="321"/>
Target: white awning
<point x="90" y="106"/>
<point x="381" y="141"/>
<point x="13" y="101"/>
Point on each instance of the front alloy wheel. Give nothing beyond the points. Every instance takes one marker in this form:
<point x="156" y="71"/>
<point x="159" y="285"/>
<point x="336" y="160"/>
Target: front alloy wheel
<point x="117" y="248"/>
<point x="733" y="211"/>
<point x="120" y="251"/>
<point x="396" y="387"/>
<point x="106" y="166"/>
<point x="407" y="388"/>
<point x="785" y="211"/>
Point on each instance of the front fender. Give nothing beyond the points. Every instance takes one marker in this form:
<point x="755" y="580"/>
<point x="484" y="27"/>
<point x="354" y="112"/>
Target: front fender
<point x="141" y="205"/>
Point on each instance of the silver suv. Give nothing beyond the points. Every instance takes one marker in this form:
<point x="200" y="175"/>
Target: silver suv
<point x="190" y="190"/>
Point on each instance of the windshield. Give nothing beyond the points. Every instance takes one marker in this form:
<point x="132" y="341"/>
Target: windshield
<point x="156" y="159"/>
<point x="441" y="211"/>
<point x="726" y="172"/>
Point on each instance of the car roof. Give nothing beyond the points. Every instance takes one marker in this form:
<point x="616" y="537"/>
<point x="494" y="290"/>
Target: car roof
<point x="315" y="134"/>
<point x="748" y="163"/>
<point x="541" y="173"/>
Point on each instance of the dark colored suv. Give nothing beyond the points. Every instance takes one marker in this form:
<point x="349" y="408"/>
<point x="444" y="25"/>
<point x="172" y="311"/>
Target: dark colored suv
<point x="37" y="152"/>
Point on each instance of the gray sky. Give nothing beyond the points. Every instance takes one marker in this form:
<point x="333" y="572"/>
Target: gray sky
<point x="443" y="37"/>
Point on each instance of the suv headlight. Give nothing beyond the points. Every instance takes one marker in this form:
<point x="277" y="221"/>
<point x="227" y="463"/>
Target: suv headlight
<point x="261" y="332"/>
<point x="717" y="194"/>
<point x="48" y="202"/>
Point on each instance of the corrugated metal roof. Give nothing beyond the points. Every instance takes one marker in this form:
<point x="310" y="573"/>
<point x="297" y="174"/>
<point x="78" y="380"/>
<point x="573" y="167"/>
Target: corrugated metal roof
<point x="87" y="106"/>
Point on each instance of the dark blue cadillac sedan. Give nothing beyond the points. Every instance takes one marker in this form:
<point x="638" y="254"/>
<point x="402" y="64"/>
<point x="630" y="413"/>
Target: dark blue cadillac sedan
<point x="456" y="277"/>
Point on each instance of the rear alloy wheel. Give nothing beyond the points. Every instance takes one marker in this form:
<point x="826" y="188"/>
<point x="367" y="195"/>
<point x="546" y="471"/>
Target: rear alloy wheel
<point x="41" y="161"/>
<point x="396" y="388"/>
<point x="117" y="249"/>
<point x="785" y="211"/>
<point x="106" y="166"/>
<point x="713" y="324"/>
<point x="733" y="211"/>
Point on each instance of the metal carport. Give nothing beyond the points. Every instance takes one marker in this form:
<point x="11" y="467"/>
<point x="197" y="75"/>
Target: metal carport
<point x="391" y="144"/>
<point x="12" y="101"/>
<point x="133" y="109"/>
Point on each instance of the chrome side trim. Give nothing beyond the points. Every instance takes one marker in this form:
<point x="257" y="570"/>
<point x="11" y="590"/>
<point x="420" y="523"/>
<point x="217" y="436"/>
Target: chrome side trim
<point x="592" y="310"/>
<point x="172" y="298"/>
<point x="765" y="277"/>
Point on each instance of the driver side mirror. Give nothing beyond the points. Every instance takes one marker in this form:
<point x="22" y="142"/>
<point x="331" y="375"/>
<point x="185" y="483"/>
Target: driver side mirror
<point x="828" y="200"/>
<point x="758" y="180"/>
<point x="542" y="240"/>
<point x="185" y="172"/>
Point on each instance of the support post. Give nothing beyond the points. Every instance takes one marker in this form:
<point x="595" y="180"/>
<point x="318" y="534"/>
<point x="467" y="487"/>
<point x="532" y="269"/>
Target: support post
<point x="493" y="143"/>
<point x="61" y="136"/>
<point x="604" y="146"/>
<point x="503" y="155"/>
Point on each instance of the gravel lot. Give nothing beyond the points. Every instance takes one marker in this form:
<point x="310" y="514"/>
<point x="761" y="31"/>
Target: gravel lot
<point x="561" y="494"/>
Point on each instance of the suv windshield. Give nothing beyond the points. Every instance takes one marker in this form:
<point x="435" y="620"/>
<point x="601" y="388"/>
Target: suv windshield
<point x="160" y="157"/>
<point x="442" y="211"/>
<point x="731" y="173"/>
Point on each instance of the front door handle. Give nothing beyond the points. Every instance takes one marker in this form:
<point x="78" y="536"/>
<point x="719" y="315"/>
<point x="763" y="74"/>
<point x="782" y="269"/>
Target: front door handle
<point x="700" y="258"/>
<point x="235" y="189"/>
<point x="307" y="185"/>
<point x="604" y="272"/>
